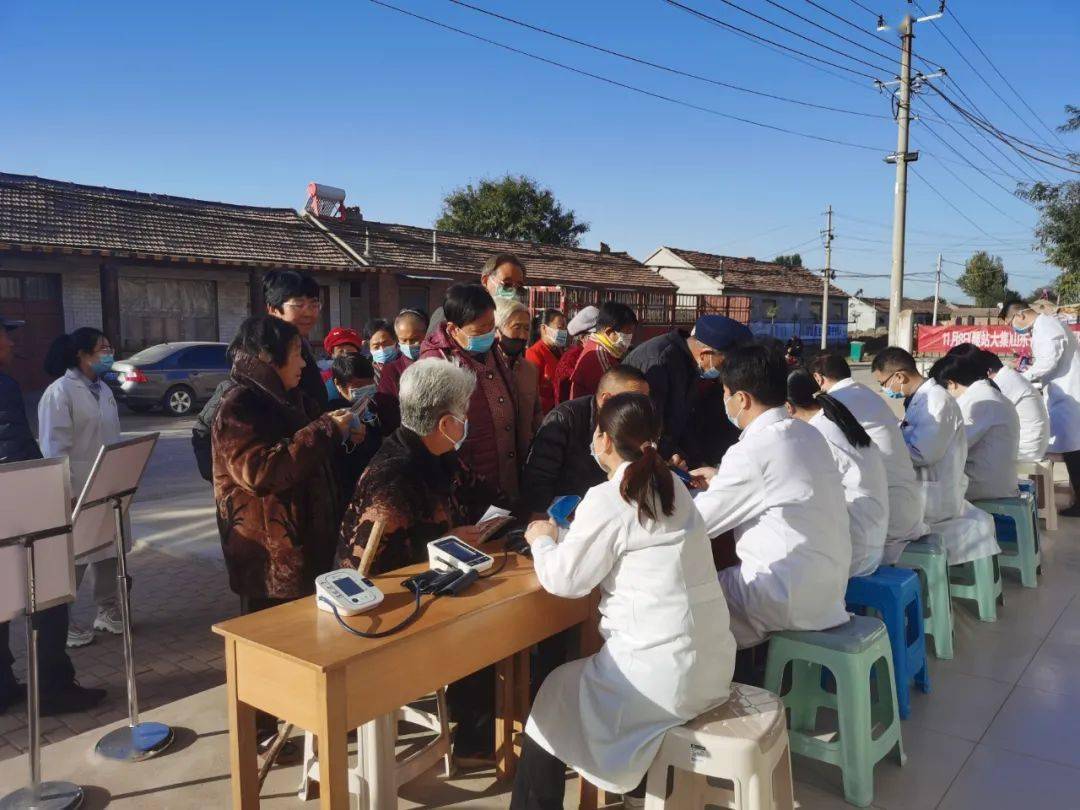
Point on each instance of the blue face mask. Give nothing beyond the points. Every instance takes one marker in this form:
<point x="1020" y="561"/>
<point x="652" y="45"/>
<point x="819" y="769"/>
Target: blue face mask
<point x="410" y="350"/>
<point x="479" y="344"/>
<point x="387" y="354"/>
<point x="102" y="363"/>
<point x="1021" y="330"/>
<point x="710" y="373"/>
<point x="357" y="394"/>
<point x="560" y="337"/>
<point x="889" y="392"/>
<point x="507" y="293"/>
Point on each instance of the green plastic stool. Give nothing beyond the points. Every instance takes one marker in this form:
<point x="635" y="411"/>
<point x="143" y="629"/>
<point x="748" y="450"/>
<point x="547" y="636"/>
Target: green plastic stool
<point x="926" y="556"/>
<point x="858" y="656"/>
<point x="979" y="580"/>
<point x="1020" y="545"/>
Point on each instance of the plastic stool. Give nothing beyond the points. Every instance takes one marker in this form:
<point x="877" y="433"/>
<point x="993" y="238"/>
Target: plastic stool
<point x="1043" y="471"/>
<point x="1018" y="534"/>
<point x="858" y="655"/>
<point x="979" y="580"/>
<point x="895" y="595"/>
<point x="743" y="740"/>
<point x="378" y="773"/>
<point x="926" y="556"/>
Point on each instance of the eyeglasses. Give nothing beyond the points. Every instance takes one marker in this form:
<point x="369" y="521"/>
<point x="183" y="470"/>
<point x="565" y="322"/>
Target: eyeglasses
<point x="309" y="305"/>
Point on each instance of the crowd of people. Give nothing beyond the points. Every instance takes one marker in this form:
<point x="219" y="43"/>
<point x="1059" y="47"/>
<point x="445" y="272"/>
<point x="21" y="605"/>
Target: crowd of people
<point x="730" y="487"/>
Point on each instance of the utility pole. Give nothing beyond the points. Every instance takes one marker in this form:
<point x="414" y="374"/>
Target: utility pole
<point x="828" y="278"/>
<point x="937" y="288"/>
<point x="901" y="158"/>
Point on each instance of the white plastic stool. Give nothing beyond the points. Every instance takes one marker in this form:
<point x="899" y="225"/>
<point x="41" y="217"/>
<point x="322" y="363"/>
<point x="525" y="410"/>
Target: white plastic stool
<point x="378" y="772"/>
<point x="743" y="740"/>
<point x="1044" y="472"/>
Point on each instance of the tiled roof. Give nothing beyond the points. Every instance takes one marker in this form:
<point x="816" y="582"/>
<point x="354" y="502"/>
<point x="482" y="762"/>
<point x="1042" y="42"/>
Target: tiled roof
<point x="750" y="275"/>
<point x="914" y="304"/>
<point x="408" y="249"/>
<point x="36" y="213"/>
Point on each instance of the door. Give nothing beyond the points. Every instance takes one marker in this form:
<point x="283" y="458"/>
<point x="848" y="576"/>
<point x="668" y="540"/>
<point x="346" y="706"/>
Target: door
<point x="206" y="367"/>
<point x="36" y="299"/>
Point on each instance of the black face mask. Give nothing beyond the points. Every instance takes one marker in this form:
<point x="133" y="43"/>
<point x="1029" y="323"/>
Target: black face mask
<point x="512" y="346"/>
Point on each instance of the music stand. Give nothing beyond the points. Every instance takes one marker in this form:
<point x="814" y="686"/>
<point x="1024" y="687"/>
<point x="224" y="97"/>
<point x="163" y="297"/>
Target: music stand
<point x="109" y="490"/>
<point x="35" y="497"/>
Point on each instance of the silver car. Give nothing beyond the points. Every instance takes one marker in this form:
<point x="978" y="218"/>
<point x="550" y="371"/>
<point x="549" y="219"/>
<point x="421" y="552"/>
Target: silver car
<point x="177" y="376"/>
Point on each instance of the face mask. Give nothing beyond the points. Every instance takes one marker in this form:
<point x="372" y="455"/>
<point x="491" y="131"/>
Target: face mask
<point x="1021" y="330"/>
<point x="479" y="344"/>
<point x="357" y="394"/>
<point x="733" y="419"/>
<point x="507" y="293"/>
<point x="890" y="393"/>
<point x="102" y="363"/>
<point x="560" y="337"/>
<point x="625" y="339"/>
<point x="386" y="354"/>
<point x="464" y="433"/>
<point x="596" y="457"/>
<point x="410" y="350"/>
<point x="710" y="373"/>
<point x="512" y="346"/>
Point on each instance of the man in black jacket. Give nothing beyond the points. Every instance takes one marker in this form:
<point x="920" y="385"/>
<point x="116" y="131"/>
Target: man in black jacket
<point x="59" y="691"/>
<point x="675" y="364"/>
<point x="560" y="461"/>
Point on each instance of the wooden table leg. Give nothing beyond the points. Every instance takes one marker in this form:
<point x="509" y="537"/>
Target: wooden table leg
<point x="243" y="753"/>
<point x="333" y="750"/>
<point x="511" y="709"/>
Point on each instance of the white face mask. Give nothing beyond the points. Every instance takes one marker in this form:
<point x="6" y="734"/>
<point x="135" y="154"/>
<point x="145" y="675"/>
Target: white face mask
<point x="596" y="456"/>
<point x="733" y="419"/>
<point x="464" y="433"/>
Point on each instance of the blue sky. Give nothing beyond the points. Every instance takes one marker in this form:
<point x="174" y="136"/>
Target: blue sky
<point x="247" y="102"/>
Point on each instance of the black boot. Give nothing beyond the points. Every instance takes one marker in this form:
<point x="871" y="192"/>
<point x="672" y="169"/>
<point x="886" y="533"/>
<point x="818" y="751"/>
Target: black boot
<point x="70" y="698"/>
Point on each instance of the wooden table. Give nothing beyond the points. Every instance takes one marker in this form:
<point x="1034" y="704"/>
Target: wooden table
<point x="295" y="662"/>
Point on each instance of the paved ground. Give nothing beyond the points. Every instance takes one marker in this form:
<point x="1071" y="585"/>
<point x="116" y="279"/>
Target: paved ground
<point x="179" y="591"/>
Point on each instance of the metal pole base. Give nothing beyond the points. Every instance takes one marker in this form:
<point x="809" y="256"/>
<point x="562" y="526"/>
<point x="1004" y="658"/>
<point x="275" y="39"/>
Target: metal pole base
<point x="50" y="796"/>
<point x="135" y="743"/>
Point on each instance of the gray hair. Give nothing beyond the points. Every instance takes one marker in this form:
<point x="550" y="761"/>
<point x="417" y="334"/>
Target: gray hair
<point x="431" y="388"/>
<point x="505" y="308"/>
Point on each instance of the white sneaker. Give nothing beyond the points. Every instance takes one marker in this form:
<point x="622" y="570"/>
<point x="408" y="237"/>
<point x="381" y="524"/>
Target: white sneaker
<point x="79" y="636"/>
<point x="632" y="803"/>
<point x="109" y="620"/>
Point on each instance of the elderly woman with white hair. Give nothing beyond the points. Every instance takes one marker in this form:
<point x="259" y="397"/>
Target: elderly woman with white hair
<point x="512" y="323"/>
<point x="415" y="484"/>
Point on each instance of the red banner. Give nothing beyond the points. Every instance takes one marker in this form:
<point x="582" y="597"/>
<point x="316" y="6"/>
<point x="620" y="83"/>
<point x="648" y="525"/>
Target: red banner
<point x="999" y="339"/>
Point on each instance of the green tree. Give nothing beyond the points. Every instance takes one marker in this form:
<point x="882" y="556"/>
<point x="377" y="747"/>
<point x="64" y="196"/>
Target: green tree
<point x="794" y="260"/>
<point x="1057" y="233"/>
<point x="510" y="208"/>
<point x="984" y="279"/>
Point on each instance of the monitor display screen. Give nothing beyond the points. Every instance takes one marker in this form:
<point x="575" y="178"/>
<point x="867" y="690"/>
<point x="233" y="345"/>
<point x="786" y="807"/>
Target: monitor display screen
<point x="460" y="551"/>
<point x="347" y="586"/>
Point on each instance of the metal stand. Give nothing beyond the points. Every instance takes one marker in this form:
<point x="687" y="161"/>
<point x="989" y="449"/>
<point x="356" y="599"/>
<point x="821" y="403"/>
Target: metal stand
<point x="40" y="795"/>
<point x="136" y="741"/>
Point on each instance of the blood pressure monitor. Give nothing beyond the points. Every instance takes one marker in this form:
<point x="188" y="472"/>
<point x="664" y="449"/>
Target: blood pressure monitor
<point x="346" y="590"/>
<point x="451" y="553"/>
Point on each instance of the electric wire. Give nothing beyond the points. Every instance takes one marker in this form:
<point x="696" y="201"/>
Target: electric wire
<point x="831" y="32"/>
<point x="656" y="65"/>
<point x="623" y="85"/>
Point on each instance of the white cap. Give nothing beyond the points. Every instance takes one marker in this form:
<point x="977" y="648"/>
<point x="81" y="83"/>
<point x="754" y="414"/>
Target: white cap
<point x="584" y="321"/>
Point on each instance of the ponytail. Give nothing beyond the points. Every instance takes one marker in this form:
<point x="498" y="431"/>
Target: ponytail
<point x="804" y="392"/>
<point x="632" y="424"/>
<point x="838" y="413"/>
<point x="64" y="351"/>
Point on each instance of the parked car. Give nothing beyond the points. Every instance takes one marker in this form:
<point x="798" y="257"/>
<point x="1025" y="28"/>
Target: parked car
<point x="177" y="376"/>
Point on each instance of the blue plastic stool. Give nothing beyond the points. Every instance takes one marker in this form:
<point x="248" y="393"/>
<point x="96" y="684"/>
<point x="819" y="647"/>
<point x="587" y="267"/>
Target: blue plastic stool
<point x="895" y="594"/>
<point x="1016" y="523"/>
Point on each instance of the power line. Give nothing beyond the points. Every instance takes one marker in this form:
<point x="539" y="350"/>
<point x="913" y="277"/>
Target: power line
<point x="658" y="66"/>
<point x="1007" y="82"/>
<point x="827" y="30"/>
<point x="962" y="182"/>
<point x="949" y="202"/>
<point x="871" y="34"/>
<point x="864" y="8"/>
<point x="941" y="138"/>
<point x="623" y="85"/>
<point x="718" y="22"/>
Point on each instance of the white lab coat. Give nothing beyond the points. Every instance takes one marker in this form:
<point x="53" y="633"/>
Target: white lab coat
<point x="993" y="436"/>
<point x="866" y="493"/>
<point x="1056" y="364"/>
<point x="907" y="500"/>
<point x="73" y="422"/>
<point x="668" y="654"/>
<point x="779" y="489"/>
<point x="933" y="429"/>
<point x="1030" y="409"/>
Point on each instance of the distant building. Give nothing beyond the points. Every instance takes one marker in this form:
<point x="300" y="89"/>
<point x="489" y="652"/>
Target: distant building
<point x="783" y="300"/>
<point x="866" y="314"/>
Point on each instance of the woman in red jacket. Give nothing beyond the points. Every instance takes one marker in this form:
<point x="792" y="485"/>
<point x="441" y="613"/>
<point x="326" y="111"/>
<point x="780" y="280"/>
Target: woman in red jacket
<point x="545" y="353"/>
<point x="467" y="336"/>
